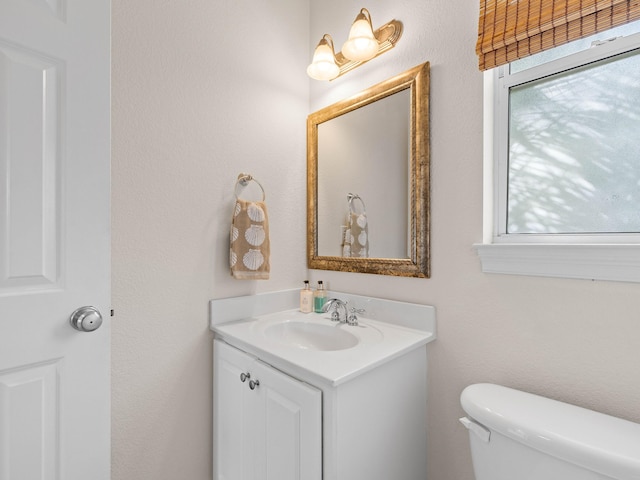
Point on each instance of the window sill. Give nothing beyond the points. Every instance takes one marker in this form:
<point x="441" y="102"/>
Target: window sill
<point x="593" y="262"/>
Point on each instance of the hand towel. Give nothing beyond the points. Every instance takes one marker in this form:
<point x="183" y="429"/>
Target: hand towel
<point x="249" y="249"/>
<point x="356" y="235"/>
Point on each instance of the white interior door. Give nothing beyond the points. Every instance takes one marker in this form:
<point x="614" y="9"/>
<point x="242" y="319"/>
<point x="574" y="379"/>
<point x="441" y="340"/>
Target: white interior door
<point x="54" y="238"/>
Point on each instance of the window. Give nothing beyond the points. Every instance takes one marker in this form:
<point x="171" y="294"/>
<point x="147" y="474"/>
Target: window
<point x="562" y="134"/>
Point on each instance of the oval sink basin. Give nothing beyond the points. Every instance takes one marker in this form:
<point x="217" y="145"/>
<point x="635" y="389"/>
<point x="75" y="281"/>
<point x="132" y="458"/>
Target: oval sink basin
<point x="312" y="336"/>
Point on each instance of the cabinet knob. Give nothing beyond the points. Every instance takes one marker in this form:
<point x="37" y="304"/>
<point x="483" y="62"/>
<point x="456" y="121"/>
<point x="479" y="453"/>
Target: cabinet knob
<point x="244" y="377"/>
<point x="253" y="385"/>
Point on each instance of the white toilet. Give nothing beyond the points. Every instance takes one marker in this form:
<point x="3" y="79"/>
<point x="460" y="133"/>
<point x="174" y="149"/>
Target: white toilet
<point x="519" y="436"/>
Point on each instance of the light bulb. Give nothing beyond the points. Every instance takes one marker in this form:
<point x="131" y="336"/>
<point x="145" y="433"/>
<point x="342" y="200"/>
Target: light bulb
<point x="323" y="65"/>
<point x="362" y="44"/>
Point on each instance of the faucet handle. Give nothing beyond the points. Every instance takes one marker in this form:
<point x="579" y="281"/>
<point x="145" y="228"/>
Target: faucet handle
<point x="352" y="319"/>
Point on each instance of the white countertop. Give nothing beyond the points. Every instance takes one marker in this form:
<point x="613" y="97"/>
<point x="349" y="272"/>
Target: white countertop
<point x="378" y="341"/>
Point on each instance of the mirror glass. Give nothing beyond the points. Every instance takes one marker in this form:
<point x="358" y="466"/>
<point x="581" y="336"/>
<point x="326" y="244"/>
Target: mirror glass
<point x="347" y="166"/>
<point x="368" y="180"/>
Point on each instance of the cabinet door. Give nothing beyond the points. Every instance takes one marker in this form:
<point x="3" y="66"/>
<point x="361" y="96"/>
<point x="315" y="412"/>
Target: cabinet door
<point x="290" y="430"/>
<point x="232" y="440"/>
<point x="270" y="432"/>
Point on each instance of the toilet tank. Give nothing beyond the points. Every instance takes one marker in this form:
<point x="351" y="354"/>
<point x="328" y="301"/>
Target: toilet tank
<point x="518" y="435"/>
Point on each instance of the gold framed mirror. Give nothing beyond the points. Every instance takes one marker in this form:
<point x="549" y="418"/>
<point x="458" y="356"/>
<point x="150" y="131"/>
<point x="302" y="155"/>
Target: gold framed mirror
<point x="368" y="180"/>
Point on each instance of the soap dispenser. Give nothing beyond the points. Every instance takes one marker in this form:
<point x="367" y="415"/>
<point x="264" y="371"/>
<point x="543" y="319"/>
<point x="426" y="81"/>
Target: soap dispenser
<point x="306" y="298"/>
<point x="319" y="297"/>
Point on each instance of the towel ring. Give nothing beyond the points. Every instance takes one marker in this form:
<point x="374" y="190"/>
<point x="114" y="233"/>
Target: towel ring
<point x="350" y="198"/>
<point x="244" y="179"/>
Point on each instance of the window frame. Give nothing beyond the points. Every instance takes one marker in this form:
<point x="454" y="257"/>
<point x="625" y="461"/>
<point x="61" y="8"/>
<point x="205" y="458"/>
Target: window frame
<point x="607" y="256"/>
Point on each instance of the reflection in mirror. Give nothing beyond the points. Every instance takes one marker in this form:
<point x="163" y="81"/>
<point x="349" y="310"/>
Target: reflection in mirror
<point x="348" y="165"/>
<point x="368" y="180"/>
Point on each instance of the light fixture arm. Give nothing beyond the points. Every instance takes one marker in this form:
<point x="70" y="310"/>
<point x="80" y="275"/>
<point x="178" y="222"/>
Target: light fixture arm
<point x="327" y="40"/>
<point x="365" y="15"/>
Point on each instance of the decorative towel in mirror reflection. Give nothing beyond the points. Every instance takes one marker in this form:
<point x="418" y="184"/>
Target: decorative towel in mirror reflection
<point x="355" y="239"/>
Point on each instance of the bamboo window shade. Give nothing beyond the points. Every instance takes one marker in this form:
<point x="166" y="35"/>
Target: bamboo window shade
<point x="513" y="29"/>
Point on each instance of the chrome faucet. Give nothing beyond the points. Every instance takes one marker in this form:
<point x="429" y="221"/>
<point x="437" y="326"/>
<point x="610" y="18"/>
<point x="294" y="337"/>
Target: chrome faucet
<point x="336" y="304"/>
<point x="350" y="315"/>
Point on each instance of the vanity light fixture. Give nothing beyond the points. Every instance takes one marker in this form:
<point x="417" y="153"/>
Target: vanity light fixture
<point x="362" y="45"/>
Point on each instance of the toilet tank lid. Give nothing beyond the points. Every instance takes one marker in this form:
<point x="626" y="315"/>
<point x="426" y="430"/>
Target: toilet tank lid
<point x="602" y="443"/>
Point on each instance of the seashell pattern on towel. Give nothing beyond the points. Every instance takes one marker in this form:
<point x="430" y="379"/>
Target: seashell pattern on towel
<point x="348" y="238"/>
<point x="249" y="241"/>
<point x="255" y="213"/>
<point x="356" y="236"/>
<point x="255" y="235"/>
<point x="362" y="238"/>
<point x="253" y="259"/>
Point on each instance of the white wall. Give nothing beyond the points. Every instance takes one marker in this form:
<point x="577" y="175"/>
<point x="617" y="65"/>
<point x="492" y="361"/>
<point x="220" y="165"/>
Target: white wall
<point x="202" y="90"/>
<point x="205" y="89"/>
<point x="573" y="340"/>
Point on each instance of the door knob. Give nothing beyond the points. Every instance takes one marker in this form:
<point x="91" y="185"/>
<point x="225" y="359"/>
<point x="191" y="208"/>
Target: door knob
<point x="86" y="319"/>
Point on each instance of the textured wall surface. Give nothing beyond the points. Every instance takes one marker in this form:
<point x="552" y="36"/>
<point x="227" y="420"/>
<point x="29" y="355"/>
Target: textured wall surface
<point x="202" y="90"/>
<point x="205" y="89"/>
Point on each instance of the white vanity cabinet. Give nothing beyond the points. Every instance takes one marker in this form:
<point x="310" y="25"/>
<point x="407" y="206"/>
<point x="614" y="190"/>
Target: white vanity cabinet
<point x="267" y="427"/>
<point x="334" y="401"/>
<point x="371" y="427"/>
